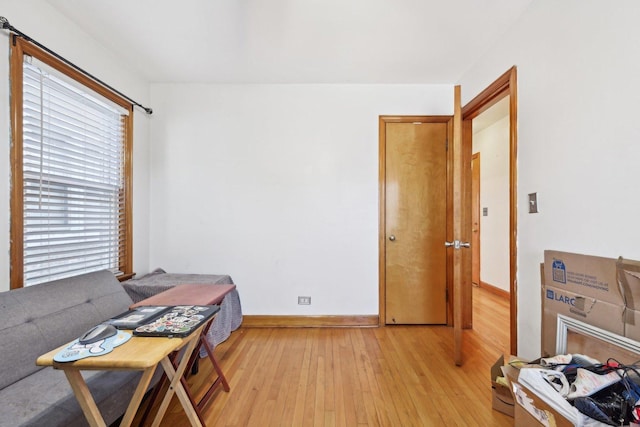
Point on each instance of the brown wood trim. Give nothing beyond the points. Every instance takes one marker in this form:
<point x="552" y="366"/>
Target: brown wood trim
<point x="468" y="124"/>
<point x="124" y="277"/>
<point x="411" y="119"/>
<point x="458" y="225"/>
<point x="126" y="264"/>
<point x="467" y="287"/>
<point x="263" y="321"/>
<point x="449" y="214"/>
<point x="513" y="209"/>
<point x="19" y="48"/>
<point x="382" y="141"/>
<point x="494" y="290"/>
<point x="505" y="85"/>
<point x="382" y="191"/>
<point x="17" y="209"/>
<point x="489" y="96"/>
<point x="50" y="60"/>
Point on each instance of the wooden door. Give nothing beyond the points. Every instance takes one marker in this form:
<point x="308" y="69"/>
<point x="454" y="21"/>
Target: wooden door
<point x="475" y="219"/>
<point x="461" y="224"/>
<point x="415" y="219"/>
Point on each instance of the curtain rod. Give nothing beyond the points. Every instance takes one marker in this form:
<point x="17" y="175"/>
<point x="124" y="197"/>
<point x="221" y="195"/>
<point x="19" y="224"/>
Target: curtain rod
<point x="4" y="22"/>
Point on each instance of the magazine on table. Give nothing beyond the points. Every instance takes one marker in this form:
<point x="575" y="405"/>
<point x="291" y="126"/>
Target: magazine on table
<point x="138" y="316"/>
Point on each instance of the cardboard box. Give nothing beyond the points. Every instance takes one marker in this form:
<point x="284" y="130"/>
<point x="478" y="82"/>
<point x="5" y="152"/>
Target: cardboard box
<point x="609" y="317"/>
<point x="632" y="324"/>
<point x="501" y="397"/>
<point x="629" y="276"/>
<point x="543" y="328"/>
<point x="586" y="275"/>
<point x="603" y="283"/>
<point x="527" y="411"/>
<point x="531" y="411"/>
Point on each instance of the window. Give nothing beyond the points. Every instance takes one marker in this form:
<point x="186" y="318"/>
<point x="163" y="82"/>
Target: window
<point x="71" y="172"/>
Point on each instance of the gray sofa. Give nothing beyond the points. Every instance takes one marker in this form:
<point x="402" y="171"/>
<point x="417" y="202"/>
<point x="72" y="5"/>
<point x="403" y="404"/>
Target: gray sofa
<point x="37" y="319"/>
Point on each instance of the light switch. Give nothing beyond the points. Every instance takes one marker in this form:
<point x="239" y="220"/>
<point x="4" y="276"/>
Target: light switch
<point x="485" y="211"/>
<point x="533" y="202"/>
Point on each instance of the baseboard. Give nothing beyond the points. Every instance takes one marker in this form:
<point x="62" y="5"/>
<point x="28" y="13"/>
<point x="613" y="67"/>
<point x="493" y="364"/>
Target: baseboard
<point x="260" y="321"/>
<point x="494" y="290"/>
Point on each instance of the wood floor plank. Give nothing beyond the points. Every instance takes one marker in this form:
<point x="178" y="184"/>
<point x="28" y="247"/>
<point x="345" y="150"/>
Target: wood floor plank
<point x="388" y="376"/>
<point x="292" y="370"/>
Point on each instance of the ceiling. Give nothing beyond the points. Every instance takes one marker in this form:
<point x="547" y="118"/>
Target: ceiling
<point x="296" y="41"/>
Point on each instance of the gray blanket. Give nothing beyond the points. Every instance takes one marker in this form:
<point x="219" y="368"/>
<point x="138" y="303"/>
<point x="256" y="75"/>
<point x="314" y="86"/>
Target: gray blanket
<point x="229" y="317"/>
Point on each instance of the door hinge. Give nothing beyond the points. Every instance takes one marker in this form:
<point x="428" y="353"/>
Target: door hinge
<point x="446" y="144"/>
<point x="446" y="294"/>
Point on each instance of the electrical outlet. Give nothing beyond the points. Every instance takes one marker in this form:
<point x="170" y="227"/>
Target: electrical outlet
<point x="304" y="300"/>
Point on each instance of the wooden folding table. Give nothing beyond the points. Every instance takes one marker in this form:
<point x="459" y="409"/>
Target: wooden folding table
<point x="195" y="294"/>
<point x="139" y="353"/>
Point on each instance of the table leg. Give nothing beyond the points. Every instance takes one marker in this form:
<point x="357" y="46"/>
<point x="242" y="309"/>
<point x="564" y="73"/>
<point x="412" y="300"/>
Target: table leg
<point x="136" y="399"/>
<point x="221" y="378"/>
<point x="176" y="386"/>
<point x="156" y="390"/>
<point x="193" y="361"/>
<point x="88" y="404"/>
<point x="83" y="394"/>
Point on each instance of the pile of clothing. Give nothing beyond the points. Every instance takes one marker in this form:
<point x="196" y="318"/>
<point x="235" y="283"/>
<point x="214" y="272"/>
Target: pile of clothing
<point x="578" y="386"/>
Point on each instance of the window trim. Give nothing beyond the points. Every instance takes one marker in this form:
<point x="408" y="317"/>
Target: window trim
<point x="20" y="47"/>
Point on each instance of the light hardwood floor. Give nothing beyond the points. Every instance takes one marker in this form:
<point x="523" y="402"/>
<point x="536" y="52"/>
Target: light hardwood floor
<point x="389" y="376"/>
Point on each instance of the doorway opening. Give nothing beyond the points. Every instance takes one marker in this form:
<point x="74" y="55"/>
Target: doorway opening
<point x="501" y="94"/>
<point x="490" y="199"/>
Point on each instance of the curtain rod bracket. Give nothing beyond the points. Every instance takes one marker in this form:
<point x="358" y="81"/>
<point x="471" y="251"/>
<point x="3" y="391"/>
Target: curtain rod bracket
<point x="5" y="25"/>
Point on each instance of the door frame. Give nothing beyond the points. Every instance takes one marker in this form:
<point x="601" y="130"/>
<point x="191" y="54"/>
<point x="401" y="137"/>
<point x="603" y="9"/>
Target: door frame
<point x="382" y="239"/>
<point x="504" y="85"/>
<point x="475" y="214"/>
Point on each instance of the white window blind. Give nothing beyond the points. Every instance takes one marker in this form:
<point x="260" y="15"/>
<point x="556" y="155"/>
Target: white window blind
<point x="73" y="178"/>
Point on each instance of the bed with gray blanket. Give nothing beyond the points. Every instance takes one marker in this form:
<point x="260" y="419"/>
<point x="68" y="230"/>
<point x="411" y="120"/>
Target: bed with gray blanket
<point x="229" y="317"/>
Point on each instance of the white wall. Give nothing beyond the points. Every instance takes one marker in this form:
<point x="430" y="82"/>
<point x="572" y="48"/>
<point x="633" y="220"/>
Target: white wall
<point x="276" y="185"/>
<point x="578" y="137"/>
<point x="288" y="197"/>
<point x="493" y="145"/>
<point x="44" y="24"/>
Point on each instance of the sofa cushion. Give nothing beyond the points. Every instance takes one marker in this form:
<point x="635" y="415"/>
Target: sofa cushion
<point x="39" y="318"/>
<point x="45" y="398"/>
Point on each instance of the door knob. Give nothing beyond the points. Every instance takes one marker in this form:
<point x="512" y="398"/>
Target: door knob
<point x="457" y="244"/>
<point x="392" y="238"/>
